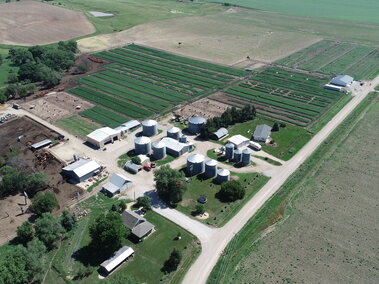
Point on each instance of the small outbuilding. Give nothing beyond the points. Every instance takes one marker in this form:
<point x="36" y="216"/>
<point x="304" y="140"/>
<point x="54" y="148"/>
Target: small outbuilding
<point x="116" y="184"/>
<point x="119" y="257"/>
<point x="262" y="133"/>
<point x="137" y="224"/>
<point x="128" y="126"/>
<point x="81" y="170"/>
<point x="342" y="80"/>
<point x="219" y="134"/>
<point x="101" y="136"/>
<point x="41" y="144"/>
<point x="174" y="147"/>
<point x="132" y="167"/>
<point x="238" y="141"/>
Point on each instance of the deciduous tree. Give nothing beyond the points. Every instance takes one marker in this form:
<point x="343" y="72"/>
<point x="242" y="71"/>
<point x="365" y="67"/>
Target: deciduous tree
<point x="43" y="202"/>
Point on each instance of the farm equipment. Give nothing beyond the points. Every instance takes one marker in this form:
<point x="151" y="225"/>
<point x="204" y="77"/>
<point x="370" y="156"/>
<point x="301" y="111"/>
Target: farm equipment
<point x="95" y="59"/>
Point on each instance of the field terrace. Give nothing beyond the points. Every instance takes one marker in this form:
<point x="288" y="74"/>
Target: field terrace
<point x="141" y="82"/>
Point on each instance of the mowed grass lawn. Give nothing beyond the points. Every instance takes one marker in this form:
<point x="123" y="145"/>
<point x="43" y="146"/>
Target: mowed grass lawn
<point x="219" y="212"/>
<point x="135" y="12"/>
<point x="150" y="254"/>
<point x="289" y="140"/>
<point x="77" y="125"/>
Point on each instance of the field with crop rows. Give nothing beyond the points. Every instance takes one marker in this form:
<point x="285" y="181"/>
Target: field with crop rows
<point x="332" y="57"/>
<point x="291" y="96"/>
<point x="140" y="82"/>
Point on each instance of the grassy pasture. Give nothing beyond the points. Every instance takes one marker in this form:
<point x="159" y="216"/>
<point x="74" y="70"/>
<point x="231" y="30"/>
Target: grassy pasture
<point x="350" y="10"/>
<point x="332" y="57"/>
<point x="219" y="212"/>
<point x="325" y="216"/>
<point x="140" y="82"/>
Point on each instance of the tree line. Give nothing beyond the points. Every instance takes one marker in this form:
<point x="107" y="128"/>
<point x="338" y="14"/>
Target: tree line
<point x="229" y="117"/>
<point x="37" y="64"/>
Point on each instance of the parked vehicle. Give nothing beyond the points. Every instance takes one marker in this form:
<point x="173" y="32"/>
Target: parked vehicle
<point x="147" y="168"/>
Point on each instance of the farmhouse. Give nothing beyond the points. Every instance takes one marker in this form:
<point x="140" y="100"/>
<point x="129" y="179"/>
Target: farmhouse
<point x="81" y="170"/>
<point x="238" y="141"/>
<point x="174" y="147"/>
<point x="101" y="136"/>
<point x="219" y="134"/>
<point x="116" y="184"/>
<point x="117" y="259"/>
<point x="128" y="126"/>
<point x="262" y="133"/>
<point x="342" y="81"/>
<point x="137" y="224"/>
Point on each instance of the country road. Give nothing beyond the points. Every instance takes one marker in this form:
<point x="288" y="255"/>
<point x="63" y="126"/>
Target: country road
<point x="214" y="246"/>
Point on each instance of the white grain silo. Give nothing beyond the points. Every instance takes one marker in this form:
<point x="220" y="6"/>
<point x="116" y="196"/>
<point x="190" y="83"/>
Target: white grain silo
<point x="237" y="156"/>
<point x="195" y="124"/>
<point x="223" y="175"/>
<point x="174" y="133"/>
<point x="229" y="151"/>
<point x="149" y="127"/>
<point x="159" y="150"/>
<point x="142" y="145"/>
<point x="195" y="164"/>
<point x="246" y="156"/>
<point x="211" y="168"/>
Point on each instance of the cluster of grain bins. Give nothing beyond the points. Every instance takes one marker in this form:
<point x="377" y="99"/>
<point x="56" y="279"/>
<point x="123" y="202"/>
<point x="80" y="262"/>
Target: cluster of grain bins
<point x="196" y="165"/>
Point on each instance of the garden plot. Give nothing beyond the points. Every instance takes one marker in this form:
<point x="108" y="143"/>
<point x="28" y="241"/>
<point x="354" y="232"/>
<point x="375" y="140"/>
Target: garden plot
<point x="142" y="82"/>
<point x="332" y="57"/>
<point x="204" y="107"/>
<point x="291" y="96"/>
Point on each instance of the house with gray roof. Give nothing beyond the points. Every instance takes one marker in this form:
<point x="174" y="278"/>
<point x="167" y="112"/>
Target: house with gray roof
<point x="116" y="184"/>
<point x="137" y="224"/>
<point x="262" y="133"/>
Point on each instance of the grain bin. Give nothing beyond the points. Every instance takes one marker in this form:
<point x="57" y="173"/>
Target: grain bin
<point x="142" y="145"/>
<point x="211" y="168"/>
<point x="195" y="124"/>
<point x="183" y="139"/>
<point x="229" y="151"/>
<point x="159" y="150"/>
<point x="174" y="133"/>
<point x="149" y="127"/>
<point x="246" y="156"/>
<point x="237" y="156"/>
<point x="223" y="175"/>
<point x="195" y="164"/>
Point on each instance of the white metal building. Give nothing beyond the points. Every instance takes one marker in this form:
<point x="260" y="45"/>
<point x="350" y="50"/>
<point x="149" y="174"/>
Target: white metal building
<point x="127" y="126"/>
<point x="101" y="136"/>
<point x="116" y="184"/>
<point x="117" y="259"/>
<point x="238" y="141"/>
<point x="81" y="170"/>
<point x="174" y="147"/>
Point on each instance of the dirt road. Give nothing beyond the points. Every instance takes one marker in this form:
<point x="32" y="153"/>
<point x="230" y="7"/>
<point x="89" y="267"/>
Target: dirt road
<point x="211" y="250"/>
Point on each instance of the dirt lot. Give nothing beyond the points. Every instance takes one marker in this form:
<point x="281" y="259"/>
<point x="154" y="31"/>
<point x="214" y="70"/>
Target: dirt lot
<point x="30" y="23"/>
<point x="331" y="233"/>
<point x="56" y="106"/>
<point x="204" y="107"/>
<point x="29" y="161"/>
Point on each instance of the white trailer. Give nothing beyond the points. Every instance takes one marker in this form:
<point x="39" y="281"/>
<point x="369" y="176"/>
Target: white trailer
<point x="255" y="146"/>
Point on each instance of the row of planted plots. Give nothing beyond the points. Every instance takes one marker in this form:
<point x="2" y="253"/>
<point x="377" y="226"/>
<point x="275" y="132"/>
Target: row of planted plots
<point x="285" y="95"/>
<point x="140" y="82"/>
<point x="333" y="57"/>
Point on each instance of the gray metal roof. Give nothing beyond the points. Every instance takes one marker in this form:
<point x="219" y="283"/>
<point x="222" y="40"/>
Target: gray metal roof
<point x="238" y="151"/>
<point x="173" y="144"/>
<point x="131" y="219"/>
<point x="211" y="162"/>
<point x="142" y="140"/>
<point x="262" y="131"/>
<point x="221" y="132"/>
<point x="118" y="257"/>
<point x="195" y="158"/>
<point x="223" y="172"/>
<point x="41" y="144"/>
<point x="116" y="182"/>
<point x="149" y="122"/>
<point x="246" y="151"/>
<point x="342" y="80"/>
<point x="229" y="145"/>
<point x="159" y="144"/>
<point x="131" y="124"/>
<point x="132" y="166"/>
<point x="197" y="119"/>
<point x="82" y="167"/>
<point x="173" y="129"/>
<point x="142" y="229"/>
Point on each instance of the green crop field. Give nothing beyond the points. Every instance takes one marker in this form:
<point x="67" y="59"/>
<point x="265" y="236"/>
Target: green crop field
<point x="363" y="11"/>
<point x="321" y="226"/>
<point x="140" y="82"/>
<point x="77" y="125"/>
<point x="291" y="96"/>
<point x="332" y="57"/>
